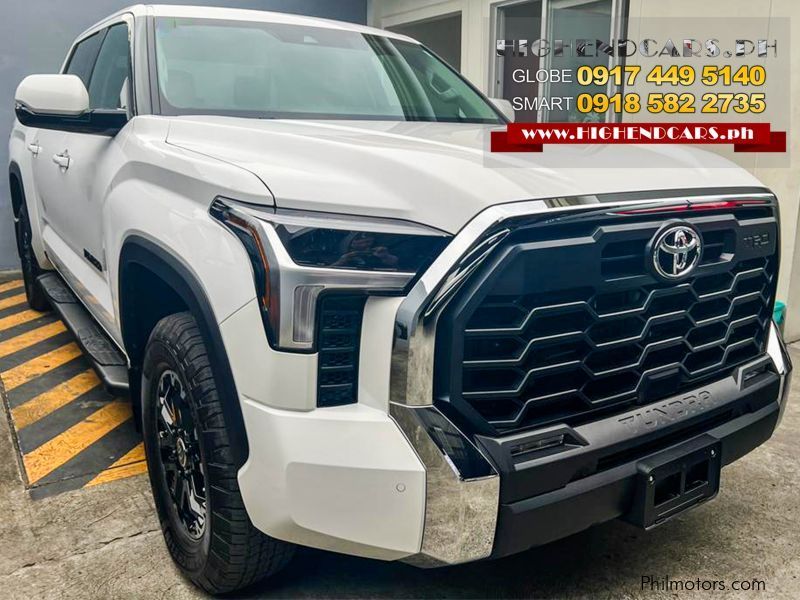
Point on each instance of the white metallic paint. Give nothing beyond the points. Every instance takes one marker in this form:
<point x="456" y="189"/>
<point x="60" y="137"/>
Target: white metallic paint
<point x="342" y="479"/>
<point x="438" y="174"/>
<point x="53" y="94"/>
<point x="284" y="380"/>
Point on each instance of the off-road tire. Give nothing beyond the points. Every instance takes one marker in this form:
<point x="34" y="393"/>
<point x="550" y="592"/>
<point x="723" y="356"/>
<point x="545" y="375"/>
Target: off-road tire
<point x="232" y="553"/>
<point x="37" y="299"/>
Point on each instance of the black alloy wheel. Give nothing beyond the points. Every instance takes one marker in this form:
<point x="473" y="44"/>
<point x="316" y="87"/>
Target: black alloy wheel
<point x="179" y="443"/>
<point x="193" y="473"/>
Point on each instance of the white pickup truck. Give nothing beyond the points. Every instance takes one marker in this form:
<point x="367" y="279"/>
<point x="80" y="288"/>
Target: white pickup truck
<point x="342" y="327"/>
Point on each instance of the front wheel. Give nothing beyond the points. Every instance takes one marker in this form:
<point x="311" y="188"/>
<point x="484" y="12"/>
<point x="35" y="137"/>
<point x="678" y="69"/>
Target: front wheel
<point x="192" y="470"/>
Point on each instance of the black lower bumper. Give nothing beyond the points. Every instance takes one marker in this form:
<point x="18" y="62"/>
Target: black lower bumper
<point x="550" y="491"/>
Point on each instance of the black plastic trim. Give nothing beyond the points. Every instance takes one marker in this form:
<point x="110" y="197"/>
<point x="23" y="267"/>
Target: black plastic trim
<point x="606" y="443"/>
<point x="545" y="274"/>
<point x="96" y="122"/>
<point x="609" y="494"/>
<point x="358" y="301"/>
<point x="93" y="260"/>
<point x="14" y="171"/>
<point x="152" y="66"/>
<point x="137" y="250"/>
<point x="102" y="352"/>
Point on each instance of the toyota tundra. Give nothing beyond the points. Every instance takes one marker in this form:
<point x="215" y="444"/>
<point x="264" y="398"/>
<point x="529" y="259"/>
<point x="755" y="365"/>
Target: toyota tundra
<point x="342" y="323"/>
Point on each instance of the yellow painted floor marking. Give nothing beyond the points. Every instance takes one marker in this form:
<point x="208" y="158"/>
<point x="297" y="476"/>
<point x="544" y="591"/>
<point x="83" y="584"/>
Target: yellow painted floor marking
<point x="40" y="365"/>
<point x="29" y="338"/>
<point x="12" y="301"/>
<point x="18" y="319"/>
<point x="53" y="399"/>
<point x="11" y="285"/>
<point x="55" y="452"/>
<point x="133" y="463"/>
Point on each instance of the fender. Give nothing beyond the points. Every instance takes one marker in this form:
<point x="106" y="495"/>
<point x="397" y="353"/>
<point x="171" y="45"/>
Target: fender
<point x="137" y="250"/>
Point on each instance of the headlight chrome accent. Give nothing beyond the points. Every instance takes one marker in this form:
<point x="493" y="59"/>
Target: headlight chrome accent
<point x="288" y="290"/>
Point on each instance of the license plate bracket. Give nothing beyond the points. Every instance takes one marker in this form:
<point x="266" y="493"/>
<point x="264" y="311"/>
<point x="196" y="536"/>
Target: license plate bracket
<point x="675" y="480"/>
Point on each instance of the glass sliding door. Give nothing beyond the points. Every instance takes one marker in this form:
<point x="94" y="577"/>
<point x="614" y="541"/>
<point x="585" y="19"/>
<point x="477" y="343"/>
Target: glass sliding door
<point x="518" y="21"/>
<point x="579" y="23"/>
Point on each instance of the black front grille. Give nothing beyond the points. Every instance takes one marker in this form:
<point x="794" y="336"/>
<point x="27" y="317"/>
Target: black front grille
<point x="338" y="341"/>
<point x="566" y="321"/>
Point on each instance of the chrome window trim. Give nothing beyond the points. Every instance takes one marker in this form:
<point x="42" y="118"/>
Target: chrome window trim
<point x="461" y="513"/>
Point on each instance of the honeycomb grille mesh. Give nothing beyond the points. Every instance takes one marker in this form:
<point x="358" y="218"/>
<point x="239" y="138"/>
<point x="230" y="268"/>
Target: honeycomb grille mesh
<point x="567" y="353"/>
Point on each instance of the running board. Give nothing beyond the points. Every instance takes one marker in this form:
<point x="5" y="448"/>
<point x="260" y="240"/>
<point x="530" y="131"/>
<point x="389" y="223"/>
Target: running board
<point x="104" y="355"/>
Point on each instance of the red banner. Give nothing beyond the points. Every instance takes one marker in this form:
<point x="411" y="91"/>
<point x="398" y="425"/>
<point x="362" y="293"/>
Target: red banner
<point x="745" y="137"/>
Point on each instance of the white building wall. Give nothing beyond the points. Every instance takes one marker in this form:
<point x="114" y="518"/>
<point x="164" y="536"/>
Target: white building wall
<point x="784" y="181"/>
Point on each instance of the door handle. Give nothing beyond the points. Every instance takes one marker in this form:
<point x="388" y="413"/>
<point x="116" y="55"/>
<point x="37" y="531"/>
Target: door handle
<point x="34" y="148"/>
<point x="62" y="160"/>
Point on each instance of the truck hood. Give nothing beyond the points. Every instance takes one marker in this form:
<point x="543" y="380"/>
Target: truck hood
<point x="439" y="174"/>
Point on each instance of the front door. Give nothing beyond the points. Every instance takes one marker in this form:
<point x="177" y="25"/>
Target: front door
<point x="45" y="145"/>
<point x="49" y="146"/>
<point x="74" y="171"/>
<point x="86" y="183"/>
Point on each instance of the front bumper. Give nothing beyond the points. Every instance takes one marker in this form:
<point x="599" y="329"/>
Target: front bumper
<point x="409" y="486"/>
<point x="546" y="495"/>
<point x="739" y="417"/>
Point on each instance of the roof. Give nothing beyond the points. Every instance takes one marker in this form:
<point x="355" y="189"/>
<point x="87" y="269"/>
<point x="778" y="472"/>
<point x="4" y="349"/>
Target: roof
<point x="240" y="14"/>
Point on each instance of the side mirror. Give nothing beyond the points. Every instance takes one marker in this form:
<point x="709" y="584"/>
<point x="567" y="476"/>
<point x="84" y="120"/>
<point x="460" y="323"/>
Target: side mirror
<point x="505" y="107"/>
<point x="53" y="95"/>
<point x="62" y="102"/>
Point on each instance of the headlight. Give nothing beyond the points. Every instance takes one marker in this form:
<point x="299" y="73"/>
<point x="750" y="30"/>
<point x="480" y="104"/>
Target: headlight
<point x="297" y="255"/>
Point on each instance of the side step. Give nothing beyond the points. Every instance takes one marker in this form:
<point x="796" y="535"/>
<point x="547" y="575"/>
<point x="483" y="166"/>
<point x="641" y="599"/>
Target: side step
<point x="106" y="358"/>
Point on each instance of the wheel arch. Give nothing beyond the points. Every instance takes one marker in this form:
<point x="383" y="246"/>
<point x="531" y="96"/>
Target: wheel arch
<point x="165" y="272"/>
<point x="17" y="188"/>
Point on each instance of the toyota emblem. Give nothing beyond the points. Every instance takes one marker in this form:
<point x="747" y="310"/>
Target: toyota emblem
<point x="676" y="251"/>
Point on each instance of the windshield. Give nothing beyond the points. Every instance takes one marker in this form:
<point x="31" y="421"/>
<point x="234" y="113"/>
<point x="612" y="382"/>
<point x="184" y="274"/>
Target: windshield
<point x="275" y="70"/>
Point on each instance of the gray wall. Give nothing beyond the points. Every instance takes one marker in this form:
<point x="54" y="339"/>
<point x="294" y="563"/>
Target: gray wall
<point x="36" y="34"/>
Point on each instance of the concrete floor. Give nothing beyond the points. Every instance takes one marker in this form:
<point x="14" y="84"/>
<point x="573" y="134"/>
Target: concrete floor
<point x="104" y="542"/>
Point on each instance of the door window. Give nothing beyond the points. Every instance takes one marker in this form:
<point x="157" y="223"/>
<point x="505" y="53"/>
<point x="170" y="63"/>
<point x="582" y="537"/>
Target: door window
<point x="579" y="20"/>
<point x="108" y="87"/>
<point x="83" y="57"/>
